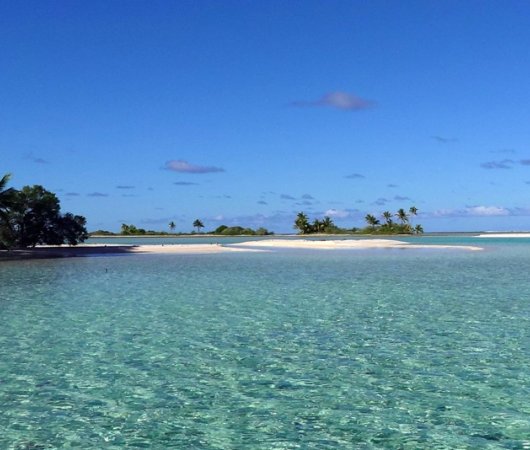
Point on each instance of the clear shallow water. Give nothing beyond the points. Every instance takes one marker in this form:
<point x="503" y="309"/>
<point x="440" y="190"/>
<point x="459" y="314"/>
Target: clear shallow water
<point x="353" y="349"/>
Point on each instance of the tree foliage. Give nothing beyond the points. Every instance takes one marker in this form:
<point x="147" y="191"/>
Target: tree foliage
<point x="403" y="226"/>
<point x="238" y="231"/>
<point x="198" y="224"/>
<point x="32" y="216"/>
<point x="326" y="225"/>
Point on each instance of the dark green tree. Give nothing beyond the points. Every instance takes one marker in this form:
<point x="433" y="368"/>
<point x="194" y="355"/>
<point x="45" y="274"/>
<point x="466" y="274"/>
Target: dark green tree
<point x="6" y="195"/>
<point x="33" y="217"/>
<point x="172" y="226"/>
<point x="387" y="215"/>
<point x="316" y="226"/>
<point x="371" y="220"/>
<point x="198" y="224"/>
<point x="402" y="216"/>
<point x="129" y="229"/>
<point x="301" y="223"/>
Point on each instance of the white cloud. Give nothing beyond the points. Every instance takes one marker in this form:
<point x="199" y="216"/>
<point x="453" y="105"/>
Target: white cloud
<point x="338" y="213"/>
<point x="473" y="211"/>
<point x="487" y="211"/>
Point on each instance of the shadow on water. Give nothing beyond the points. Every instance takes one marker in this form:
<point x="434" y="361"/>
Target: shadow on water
<point x="65" y="252"/>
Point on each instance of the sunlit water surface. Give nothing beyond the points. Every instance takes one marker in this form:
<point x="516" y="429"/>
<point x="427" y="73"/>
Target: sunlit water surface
<point x="380" y="349"/>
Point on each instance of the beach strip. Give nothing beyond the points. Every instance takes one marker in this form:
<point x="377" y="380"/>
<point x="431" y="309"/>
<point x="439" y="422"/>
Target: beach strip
<point x="248" y="246"/>
<point x="348" y="244"/>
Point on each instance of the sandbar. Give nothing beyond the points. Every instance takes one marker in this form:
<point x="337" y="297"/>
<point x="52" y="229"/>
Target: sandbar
<point x="348" y="244"/>
<point x="42" y="252"/>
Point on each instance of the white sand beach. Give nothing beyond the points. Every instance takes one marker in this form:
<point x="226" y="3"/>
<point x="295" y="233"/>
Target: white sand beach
<point x="249" y="246"/>
<point x="189" y="248"/>
<point x="347" y="244"/>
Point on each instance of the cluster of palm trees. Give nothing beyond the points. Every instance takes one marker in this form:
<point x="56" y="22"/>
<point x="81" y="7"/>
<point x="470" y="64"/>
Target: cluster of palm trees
<point x="303" y="225"/>
<point x="403" y="226"/>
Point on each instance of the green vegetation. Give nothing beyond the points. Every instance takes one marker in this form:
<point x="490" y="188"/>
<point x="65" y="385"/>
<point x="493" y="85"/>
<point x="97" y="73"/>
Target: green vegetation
<point x="131" y="230"/>
<point x="325" y="225"/>
<point x="224" y="230"/>
<point x="32" y="216"/>
<point x="198" y="224"/>
<point x="403" y="224"/>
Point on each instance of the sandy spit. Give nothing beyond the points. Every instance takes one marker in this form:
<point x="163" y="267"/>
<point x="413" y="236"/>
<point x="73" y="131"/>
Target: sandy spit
<point x="249" y="246"/>
<point x="347" y="244"/>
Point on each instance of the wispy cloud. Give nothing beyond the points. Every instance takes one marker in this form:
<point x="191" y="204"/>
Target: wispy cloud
<point x="72" y="194"/>
<point x="381" y="201"/>
<point x="338" y="100"/>
<point x="262" y="202"/>
<point x="473" y="211"/>
<point x="179" y="165"/>
<point x="97" y="194"/>
<point x="505" y="151"/>
<point x="304" y="203"/>
<point x="307" y="197"/>
<point x="503" y="164"/>
<point x="401" y="198"/>
<point x="354" y="176"/>
<point x="444" y="140"/>
<point x="123" y="186"/>
<point x="185" y="183"/>
<point x="391" y="185"/>
<point x="31" y="157"/>
<point x="287" y="197"/>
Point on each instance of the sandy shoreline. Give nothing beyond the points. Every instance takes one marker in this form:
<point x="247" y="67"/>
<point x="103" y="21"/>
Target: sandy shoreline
<point x="348" y="244"/>
<point x="84" y="250"/>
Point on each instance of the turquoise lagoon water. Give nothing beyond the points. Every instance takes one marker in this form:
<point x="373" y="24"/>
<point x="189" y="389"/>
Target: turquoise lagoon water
<point x="378" y="349"/>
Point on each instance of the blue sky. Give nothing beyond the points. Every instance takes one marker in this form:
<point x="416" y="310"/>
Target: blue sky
<point x="246" y="112"/>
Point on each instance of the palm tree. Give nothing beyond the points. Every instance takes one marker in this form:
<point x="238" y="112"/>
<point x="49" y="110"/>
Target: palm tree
<point x="317" y="226"/>
<point x="198" y="224"/>
<point x="371" y="220"/>
<point x="301" y="223"/>
<point x="418" y="229"/>
<point x="413" y="211"/>
<point x="387" y="215"/>
<point x="327" y="223"/>
<point x="172" y="226"/>
<point x="7" y="197"/>
<point x="5" y="194"/>
<point x="402" y="216"/>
